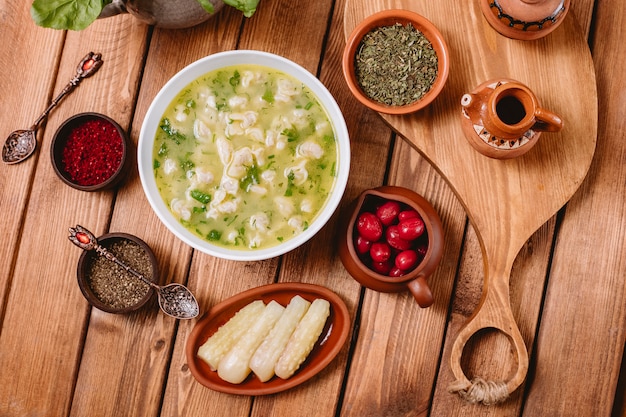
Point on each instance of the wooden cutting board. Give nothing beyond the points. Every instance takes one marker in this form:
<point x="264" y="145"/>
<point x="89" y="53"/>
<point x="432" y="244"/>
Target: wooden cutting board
<point x="506" y="200"/>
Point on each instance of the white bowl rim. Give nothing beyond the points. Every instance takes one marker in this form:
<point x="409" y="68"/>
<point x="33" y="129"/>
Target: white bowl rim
<point x="195" y="70"/>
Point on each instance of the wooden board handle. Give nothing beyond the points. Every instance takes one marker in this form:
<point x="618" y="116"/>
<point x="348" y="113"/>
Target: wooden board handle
<point x="493" y="312"/>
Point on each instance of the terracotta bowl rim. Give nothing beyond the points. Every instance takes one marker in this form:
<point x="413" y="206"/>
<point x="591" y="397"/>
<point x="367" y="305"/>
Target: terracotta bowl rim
<point x="432" y="223"/>
<point x="328" y="346"/>
<point x="387" y="17"/>
<point x="58" y="141"/>
<point x="86" y="256"/>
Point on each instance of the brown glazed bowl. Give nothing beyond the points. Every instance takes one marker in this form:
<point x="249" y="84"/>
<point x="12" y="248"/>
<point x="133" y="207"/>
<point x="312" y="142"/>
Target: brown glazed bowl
<point x="88" y="257"/>
<point x="120" y="164"/>
<point x="389" y="18"/>
<point x="328" y="345"/>
<point x="415" y="280"/>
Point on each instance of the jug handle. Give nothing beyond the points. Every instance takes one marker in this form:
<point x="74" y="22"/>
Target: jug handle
<point x="421" y="291"/>
<point x="547" y="121"/>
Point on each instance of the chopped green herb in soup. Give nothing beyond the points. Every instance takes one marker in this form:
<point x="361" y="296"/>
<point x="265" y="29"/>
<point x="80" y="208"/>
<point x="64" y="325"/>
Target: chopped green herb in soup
<point x="245" y="156"/>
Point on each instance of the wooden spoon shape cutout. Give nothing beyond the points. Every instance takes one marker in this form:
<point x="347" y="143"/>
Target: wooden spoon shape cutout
<point x="506" y="200"/>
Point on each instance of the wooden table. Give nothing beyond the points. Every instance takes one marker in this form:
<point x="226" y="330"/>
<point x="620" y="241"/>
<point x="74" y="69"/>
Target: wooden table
<point x="59" y="357"/>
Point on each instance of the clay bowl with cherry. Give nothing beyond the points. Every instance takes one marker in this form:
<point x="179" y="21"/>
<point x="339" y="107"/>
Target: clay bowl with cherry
<point x="391" y="240"/>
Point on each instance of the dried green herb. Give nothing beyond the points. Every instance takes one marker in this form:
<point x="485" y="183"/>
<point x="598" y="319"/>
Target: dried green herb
<point x="111" y="283"/>
<point x="395" y="65"/>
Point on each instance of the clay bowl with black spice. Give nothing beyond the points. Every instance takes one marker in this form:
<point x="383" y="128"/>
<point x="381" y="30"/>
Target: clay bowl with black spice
<point x="91" y="152"/>
<point x="391" y="240"/>
<point x="109" y="287"/>
<point x="396" y="62"/>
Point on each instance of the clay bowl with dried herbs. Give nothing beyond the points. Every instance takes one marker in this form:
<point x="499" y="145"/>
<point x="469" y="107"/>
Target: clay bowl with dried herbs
<point x="396" y="62"/>
<point x="108" y="286"/>
<point x="91" y="152"/>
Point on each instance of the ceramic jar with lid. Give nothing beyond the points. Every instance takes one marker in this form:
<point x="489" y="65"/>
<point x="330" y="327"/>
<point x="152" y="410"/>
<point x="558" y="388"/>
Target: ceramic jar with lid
<point x="525" y="19"/>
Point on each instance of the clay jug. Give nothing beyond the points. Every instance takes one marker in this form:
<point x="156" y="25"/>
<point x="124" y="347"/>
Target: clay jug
<point x="503" y="118"/>
<point x="525" y="19"/>
<point x="167" y="14"/>
<point x="415" y="281"/>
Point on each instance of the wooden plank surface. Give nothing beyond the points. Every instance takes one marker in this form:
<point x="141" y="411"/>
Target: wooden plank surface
<point x="60" y="358"/>
<point x="16" y="83"/>
<point x="45" y="318"/>
<point x="586" y="291"/>
<point x="506" y="200"/>
<point x="526" y="300"/>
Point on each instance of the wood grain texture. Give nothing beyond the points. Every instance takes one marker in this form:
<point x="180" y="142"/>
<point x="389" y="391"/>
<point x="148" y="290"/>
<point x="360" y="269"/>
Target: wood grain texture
<point x="16" y="83"/>
<point x="53" y="350"/>
<point x="153" y="335"/>
<point x="62" y="358"/>
<point x="505" y="200"/>
<point x="586" y="290"/>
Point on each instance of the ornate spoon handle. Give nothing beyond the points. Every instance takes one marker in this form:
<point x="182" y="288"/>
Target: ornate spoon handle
<point x="88" y="66"/>
<point x="86" y="240"/>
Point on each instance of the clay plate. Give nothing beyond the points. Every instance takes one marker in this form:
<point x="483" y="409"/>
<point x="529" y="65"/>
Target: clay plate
<point x="327" y="347"/>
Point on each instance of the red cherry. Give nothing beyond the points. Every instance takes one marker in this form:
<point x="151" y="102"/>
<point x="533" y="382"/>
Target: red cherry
<point x="406" y="260"/>
<point x="362" y="245"/>
<point x="396" y="272"/>
<point x="392" y="235"/>
<point x="388" y="212"/>
<point x="382" y="268"/>
<point x="411" y="229"/>
<point x="421" y="250"/>
<point x="380" y="252"/>
<point x="407" y="214"/>
<point x="369" y="226"/>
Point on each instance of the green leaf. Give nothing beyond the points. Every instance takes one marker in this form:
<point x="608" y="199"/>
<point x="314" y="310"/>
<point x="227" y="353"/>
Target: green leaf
<point x="207" y="6"/>
<point x="214" y="235"/>
<point x="292" y="134"/>
<point x="251" y="177"/>
<point x="248" y="7"/>
<point x="200" y="196"/>
<point x="66" y="14"/>
<point x="235" y="79"/>
<point x="268" y="96"/>
<point x="171" y="133"/>
<point x="290" y="185"/>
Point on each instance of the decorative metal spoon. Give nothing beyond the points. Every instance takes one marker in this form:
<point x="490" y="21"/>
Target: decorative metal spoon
<point x="174" y="299"/>
<point x="22" y="143"/>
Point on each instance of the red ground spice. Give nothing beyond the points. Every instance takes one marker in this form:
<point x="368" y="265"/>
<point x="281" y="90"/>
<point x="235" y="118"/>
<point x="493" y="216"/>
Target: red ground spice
<point x="93" y="152"/>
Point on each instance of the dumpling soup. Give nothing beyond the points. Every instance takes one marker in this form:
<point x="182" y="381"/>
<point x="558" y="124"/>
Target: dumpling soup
<point x="245" y="157"/>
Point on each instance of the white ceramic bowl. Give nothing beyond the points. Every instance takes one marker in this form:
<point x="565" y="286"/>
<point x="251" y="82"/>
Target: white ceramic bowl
<point x="196" y="70"/>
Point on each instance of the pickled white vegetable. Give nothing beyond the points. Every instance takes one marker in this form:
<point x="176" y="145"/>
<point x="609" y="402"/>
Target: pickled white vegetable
<point x="214" y="349"/>
<point x="235" y="365"/>
<point x="264" y="359"/>
<point x="303" y="338"/>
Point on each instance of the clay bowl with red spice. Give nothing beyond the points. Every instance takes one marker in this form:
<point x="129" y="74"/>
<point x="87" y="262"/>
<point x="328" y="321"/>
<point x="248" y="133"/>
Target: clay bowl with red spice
<point x="91" y="152"/>
<point x="110" y="288"/>
<point x="358" y="256"/>
<point x="388" y="18"/>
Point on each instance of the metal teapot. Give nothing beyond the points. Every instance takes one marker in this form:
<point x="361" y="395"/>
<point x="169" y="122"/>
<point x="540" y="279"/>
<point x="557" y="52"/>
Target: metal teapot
<point x="167" y="14"/>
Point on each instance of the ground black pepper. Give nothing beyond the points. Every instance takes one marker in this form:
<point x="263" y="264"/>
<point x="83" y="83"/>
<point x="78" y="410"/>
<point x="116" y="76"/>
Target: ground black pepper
<point x="111" y="283"/>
